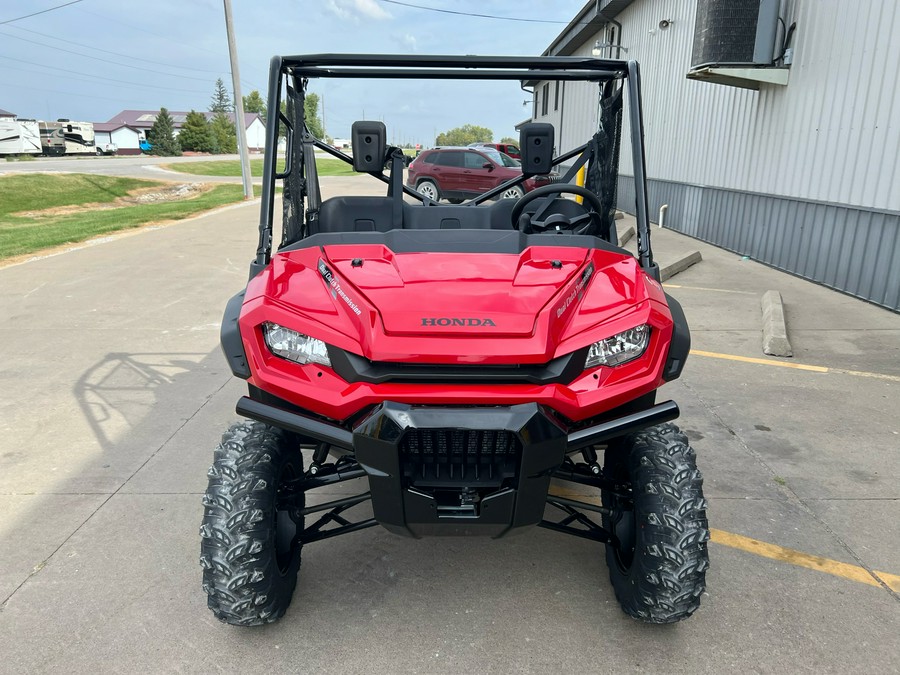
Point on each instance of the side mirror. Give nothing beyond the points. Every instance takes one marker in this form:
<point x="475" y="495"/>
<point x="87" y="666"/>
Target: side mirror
<point x="369" y="146"/>
<point x="488" y="166"/>
<point x="536" y="147"/>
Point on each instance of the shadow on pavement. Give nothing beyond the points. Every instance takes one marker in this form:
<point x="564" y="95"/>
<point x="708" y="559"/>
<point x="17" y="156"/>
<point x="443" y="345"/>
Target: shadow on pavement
<point x="118" y="392"/>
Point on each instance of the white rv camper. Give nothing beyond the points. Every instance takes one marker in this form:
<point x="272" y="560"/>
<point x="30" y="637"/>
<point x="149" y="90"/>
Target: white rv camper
<point x="79" y="137"/>
<point x="53" y="142"/>
<point x="19" y="137"/>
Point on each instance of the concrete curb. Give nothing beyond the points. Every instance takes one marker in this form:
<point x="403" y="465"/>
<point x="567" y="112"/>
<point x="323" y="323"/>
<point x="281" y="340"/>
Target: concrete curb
<point x="775" y="339"/>
<point x="679" y="265"/>
<point x="626" y="236"/>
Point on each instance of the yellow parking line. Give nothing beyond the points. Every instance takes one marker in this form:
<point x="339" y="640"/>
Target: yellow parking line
<point x="813" y="562"/>
<point x="860" y="373"/>
<point x="775" y="552"/>
<point x="795" y="366"/>
<point x="762" y="362"/>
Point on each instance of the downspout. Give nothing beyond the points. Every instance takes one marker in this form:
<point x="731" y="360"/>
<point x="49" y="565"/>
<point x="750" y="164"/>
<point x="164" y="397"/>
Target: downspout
<point x="562" y="115"/>
<point x="616" y="24"/>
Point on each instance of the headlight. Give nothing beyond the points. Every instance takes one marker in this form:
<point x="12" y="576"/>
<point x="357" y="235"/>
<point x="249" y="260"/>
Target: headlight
<point x="294" y="346"/>
<point x="618" y="349"/>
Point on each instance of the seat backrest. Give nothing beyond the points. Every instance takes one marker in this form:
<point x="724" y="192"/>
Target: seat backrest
<point x="355" y="214"/>
<point x="375" y="214"/>
<point x="495" y="216"/>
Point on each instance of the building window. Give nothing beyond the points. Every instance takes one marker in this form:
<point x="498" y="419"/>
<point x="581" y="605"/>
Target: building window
<point x="556" y="97"/>
<point x="545" y="99"/>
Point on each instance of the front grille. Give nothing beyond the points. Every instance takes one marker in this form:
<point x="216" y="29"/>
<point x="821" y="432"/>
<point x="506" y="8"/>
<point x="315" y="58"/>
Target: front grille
<point x="354" y="368"/>
<point x="448" y="457"/>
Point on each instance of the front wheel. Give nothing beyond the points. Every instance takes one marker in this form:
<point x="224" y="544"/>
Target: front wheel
<point x="658" y="560"/>
<point x="250" y="548"/>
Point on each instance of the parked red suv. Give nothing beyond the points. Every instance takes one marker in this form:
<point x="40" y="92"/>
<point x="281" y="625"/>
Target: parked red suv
<point x="457" y="174"/>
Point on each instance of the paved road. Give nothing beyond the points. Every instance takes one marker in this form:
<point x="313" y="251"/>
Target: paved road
<point x="140" y="166"/>
<point x="114" y="393"/>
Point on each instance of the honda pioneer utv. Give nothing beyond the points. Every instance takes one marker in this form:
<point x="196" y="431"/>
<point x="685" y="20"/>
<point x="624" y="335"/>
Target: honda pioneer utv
<point x="465" y="360"/>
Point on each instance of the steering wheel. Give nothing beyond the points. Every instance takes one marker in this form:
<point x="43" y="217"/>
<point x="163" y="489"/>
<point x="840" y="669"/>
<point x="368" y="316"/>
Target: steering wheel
<point x="577" y="225"/>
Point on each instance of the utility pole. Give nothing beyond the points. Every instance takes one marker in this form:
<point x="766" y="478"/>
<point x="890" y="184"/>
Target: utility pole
<point x="238" y="105"/>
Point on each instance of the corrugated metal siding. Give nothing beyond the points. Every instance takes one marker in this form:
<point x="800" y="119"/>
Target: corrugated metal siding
<point x="805" y="177"/>
<point x="846" y="248"/>
<point x="831" y="134"/>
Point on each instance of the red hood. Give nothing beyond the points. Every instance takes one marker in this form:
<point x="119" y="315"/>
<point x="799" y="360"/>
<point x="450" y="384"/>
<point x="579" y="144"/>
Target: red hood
<point x="450" y="307"/>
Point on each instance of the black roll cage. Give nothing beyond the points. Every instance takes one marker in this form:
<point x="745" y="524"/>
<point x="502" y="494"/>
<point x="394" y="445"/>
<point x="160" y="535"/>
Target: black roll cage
<point x="387" y="66"/>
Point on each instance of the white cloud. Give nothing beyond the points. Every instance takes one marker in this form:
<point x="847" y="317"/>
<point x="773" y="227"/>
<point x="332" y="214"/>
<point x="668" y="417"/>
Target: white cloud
<point x="354" y="9"/>
<point x="407" y="41"/>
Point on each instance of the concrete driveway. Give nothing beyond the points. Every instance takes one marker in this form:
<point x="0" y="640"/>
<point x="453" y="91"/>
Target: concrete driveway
<point x="114" y="393"/>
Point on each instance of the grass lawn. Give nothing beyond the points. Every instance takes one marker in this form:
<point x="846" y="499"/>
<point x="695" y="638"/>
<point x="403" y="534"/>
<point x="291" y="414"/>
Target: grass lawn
<point x="232" y="167"/>
<point x="45" y="191"/>
<point x="49" y="223"/>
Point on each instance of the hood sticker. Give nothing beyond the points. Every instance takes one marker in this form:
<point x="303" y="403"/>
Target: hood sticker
<point x="336" y="289"/>
<point x="576" y="291"/>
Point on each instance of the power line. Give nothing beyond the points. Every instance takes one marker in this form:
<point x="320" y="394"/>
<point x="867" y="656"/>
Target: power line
<point x="82" y="76"/>
<point x="95" y="58"/>
<point x="142" y="29"/>
<point x="56" y="91"/>
<point x="43" y="11"/>
<point x="180" y="43"/>
<point x="127" y="56"/>
<point x="472" y="14"/>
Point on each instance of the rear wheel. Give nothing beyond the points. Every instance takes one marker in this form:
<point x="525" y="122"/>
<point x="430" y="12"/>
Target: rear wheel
<point x="658" y="564"/>
<point x="250" y="548"/>
<point x="514" y="192"/>
<point x="429" y="189"/>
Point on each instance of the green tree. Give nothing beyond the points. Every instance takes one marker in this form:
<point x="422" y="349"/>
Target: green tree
<point x="254" y="103"/>
<point x="468" y="133"/>
<point x="195" y="134"/>
<point x="220" y="101"/>
<point x="162" y="136"/>
<point x="224" y="134"/>
<point x="311" y="111"/>
<point x="510" y="139"/>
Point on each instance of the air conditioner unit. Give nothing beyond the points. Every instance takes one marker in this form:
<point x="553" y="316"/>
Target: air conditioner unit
<point x="735" y="33"/>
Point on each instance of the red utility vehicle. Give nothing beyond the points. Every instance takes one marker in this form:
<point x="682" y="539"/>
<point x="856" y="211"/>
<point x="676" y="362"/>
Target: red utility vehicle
<point x="455" y="357"/>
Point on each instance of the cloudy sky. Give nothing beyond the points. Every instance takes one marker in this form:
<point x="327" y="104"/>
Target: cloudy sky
<point x="93" y="58"/>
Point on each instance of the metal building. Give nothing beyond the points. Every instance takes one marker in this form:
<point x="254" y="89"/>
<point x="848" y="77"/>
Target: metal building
<point x="792" y="159"/>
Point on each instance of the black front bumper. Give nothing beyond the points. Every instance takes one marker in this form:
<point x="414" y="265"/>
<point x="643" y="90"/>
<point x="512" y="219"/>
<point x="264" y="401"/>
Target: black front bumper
<point x="458" y="470"/>
<point x="474" y="470"/>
